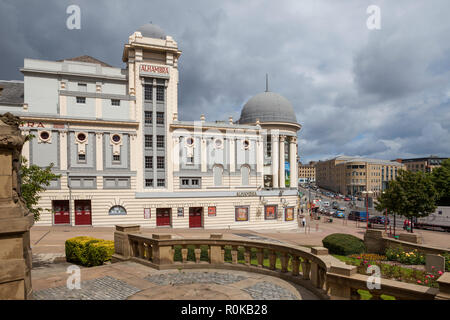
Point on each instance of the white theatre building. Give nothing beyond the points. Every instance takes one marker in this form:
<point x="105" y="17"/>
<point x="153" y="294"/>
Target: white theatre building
<point x="124" y="156"/>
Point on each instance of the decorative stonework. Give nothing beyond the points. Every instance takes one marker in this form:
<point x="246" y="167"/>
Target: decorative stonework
<point x="15" y="219"/>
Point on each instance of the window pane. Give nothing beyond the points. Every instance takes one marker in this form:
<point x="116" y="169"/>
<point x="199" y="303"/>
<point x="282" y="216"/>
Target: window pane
<point x="149" y="162"/>
<point x="148" y="92"/>
<point x="148" y="141"/>
<point x="160" y="141"/>
<point x="148" y="117"/>
<point x="160" y="93"/>
<point x="160" y="117"/>
<point x="160" y="162"/>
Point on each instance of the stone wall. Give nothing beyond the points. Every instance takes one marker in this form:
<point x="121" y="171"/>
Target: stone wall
<point x="377" y="241"/>
<point x="15" y="219"/>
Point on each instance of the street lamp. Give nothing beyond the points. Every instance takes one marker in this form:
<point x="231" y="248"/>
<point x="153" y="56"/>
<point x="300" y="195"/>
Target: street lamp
<point x="367" y="207"/>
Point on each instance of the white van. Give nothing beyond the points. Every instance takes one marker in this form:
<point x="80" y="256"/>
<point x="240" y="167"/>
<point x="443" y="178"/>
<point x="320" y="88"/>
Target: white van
<point x="326" y="203"/>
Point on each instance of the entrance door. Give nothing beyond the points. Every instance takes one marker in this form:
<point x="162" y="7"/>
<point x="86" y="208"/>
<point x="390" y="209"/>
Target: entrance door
<point x="83" y="212"/>
<point x="195" y="217"/>
<point x="163" y="217"/>
<point x="61" y="211"/>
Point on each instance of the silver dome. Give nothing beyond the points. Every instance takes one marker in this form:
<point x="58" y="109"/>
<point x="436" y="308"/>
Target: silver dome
<point x="268" y="107"/>
<point x="150" y="30"/>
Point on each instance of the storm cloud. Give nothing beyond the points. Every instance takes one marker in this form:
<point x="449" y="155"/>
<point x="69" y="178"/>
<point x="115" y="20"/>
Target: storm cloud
<point x="376" y="93"/>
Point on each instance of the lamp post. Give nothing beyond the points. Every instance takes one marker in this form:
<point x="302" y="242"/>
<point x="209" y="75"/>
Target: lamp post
<point x="367" y="207"/>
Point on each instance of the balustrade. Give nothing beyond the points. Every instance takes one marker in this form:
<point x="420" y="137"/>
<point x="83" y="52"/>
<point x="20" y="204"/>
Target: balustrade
<point x="309" y="267"/>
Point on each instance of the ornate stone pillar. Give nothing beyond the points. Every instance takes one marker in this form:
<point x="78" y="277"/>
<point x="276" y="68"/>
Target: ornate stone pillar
<point x="282" y="173"/>
<point x="15" y="219"/>
<point x="275" y="158"/>
<point x="293" y="162"/>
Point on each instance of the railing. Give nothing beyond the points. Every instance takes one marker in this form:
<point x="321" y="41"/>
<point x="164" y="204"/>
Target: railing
<point x="312" y="268"/>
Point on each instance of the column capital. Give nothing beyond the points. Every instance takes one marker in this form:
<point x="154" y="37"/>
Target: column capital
<point x="293" y="139"/>
<point x="282" y="138"/>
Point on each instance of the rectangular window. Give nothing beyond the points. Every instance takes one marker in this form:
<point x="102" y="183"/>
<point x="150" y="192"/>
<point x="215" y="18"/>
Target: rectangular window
<point x="161" y="182"/>
<point x="160" y="163"/>
<point x="148" y="162"/>
<point x="115" y="102"/>
<point x="189" y="182"/>
<point x="81" y="158"/>
<point x="149" y="182"/>
<point x="148" y="92"/>
<point x="82" y="87"/>
<point x="81" y="100"/>
<point x="148" y="117"/>
<point x="148" y="141"/>
<point x="159" y="117"/>
<point x="160" y="93"/>
<point x="269" y="145"/>
<point x="190" y="160"/>
<point x="160" y="141"/>
<point x="116" y="157"/>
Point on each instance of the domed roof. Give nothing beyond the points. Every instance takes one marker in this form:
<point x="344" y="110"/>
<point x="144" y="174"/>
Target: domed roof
<point x="150" y="30"/>
<point x="268" y="107"/>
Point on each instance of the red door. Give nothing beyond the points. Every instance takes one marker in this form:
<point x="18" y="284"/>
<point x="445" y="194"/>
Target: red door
<point x="61" y="211"/>
<point x="195" y="217"/>
<point x="83" y="212"/>
<point x="163" y="217"/>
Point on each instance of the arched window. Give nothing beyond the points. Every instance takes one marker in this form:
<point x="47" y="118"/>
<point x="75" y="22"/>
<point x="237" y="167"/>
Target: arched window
<point x="245" y="174"/>
<point x="217" y="172"/>
<point x="117" y="210"/>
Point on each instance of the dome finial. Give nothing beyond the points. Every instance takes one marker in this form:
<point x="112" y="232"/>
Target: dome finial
<point x="267" y="82"/>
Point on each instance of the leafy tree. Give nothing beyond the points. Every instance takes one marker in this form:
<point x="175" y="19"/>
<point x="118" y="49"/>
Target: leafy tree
<point x="412" y="195"/>
<point x="34" y="181"/>
<point x="441" y="180"/>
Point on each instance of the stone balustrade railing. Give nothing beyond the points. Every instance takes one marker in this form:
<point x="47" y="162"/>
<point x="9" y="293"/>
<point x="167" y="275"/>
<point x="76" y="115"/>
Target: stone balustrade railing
<point x="312" y="268"/>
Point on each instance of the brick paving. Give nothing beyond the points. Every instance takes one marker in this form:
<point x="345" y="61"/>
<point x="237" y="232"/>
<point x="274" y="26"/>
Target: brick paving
<point x="194" y="277"/>
<point x="105" y="288"/>
<point x="269" y="291"/>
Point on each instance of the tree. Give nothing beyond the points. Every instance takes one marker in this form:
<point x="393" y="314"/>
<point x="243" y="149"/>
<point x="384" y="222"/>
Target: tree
<point x="441" y="180"/>
<point x="412" y="195"/>
<point x="34" y="181"/>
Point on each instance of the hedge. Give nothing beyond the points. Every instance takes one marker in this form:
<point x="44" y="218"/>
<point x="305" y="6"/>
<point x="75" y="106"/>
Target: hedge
<point x="343" y="244"/>
<point x="88" y="251"/>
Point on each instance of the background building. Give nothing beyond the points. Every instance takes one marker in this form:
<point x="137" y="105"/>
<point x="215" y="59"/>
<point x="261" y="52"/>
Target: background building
<point x="307" y="172"/>
<point x="422" y="164"/>
<point x="351" y="175"/>
<point x="114" y="136"/>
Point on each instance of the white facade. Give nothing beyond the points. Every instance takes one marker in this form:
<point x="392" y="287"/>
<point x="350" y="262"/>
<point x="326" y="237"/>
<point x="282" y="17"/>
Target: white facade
<point x="124" y="156"/>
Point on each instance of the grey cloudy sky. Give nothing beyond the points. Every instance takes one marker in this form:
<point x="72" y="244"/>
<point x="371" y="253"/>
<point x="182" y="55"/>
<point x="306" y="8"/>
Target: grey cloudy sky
<point x="376" y="93"/>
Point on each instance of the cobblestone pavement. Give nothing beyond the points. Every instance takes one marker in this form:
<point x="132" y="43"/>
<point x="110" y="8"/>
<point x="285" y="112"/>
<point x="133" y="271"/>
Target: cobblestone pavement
<point x="130" y="280"/>
<point x="194" y="277"/>
<point x="269" y="291"/>
<point x="106" y="288"/>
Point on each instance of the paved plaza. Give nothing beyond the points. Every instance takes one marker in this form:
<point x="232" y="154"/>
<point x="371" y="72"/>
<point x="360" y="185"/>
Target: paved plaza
<point x="133" y="281"/>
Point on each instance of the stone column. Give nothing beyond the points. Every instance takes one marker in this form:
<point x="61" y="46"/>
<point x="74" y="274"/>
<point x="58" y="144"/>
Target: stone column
<point x="282" y="173"/>
<point x="15" y="219"/>
<point x="275" y="159"/>
<point x="293" y="162"/>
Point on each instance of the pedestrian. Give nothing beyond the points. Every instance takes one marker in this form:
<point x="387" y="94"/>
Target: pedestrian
<point x="303" y="222"/>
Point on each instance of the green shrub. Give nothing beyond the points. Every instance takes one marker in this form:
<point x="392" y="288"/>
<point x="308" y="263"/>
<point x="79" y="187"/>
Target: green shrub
<point x="88" y="251"/>
<point x="343" y="244"/>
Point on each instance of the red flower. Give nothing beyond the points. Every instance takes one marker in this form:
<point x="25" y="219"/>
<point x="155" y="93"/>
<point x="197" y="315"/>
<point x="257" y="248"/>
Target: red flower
<point x="418" y="281"/>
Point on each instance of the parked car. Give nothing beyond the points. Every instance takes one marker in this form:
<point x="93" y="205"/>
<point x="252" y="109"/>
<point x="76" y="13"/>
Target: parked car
<point x="326" y="204"/>
<point x="347" y="199"/>
<point x="378" y="219"/>
<point x="339" y="214"/>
